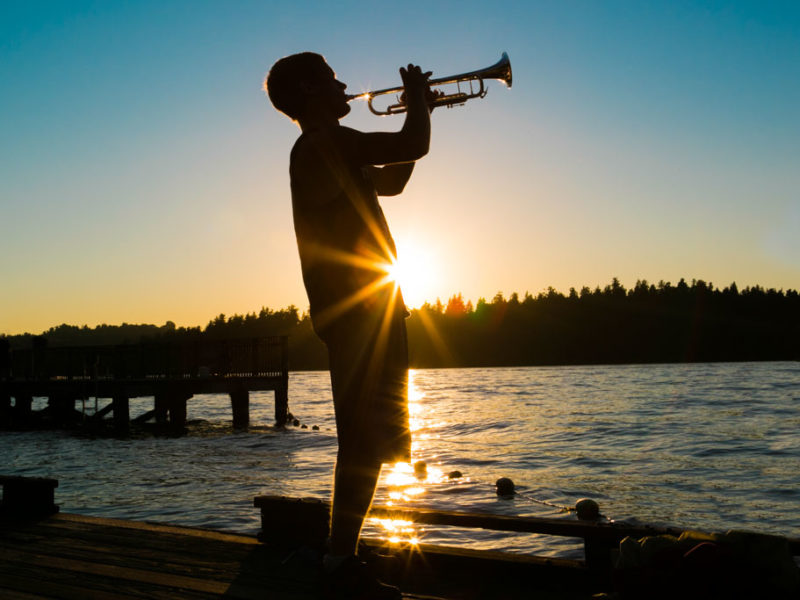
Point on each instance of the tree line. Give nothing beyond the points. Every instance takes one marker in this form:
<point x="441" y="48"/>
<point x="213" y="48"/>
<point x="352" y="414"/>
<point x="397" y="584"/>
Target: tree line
<point x="648" y="323"/>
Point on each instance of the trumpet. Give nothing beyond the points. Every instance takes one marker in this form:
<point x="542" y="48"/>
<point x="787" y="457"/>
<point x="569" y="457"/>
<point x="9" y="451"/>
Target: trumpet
<point x="501" y="71"/>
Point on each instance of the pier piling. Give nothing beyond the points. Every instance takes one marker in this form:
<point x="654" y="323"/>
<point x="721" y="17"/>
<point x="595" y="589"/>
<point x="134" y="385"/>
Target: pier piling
<point x="177" y="410"/>
<point x="28" y="496"/>
<point x="122" y="412"/>
<point x="240" y="406"/>
<point x="160" y="409"/>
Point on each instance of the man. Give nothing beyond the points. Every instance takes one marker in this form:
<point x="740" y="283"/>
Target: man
<point x="345" y="252"/>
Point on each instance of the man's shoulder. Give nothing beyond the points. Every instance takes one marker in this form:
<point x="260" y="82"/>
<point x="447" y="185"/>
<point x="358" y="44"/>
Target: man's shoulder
<point x="325" y="139"/>
<point x="334" y="147"/>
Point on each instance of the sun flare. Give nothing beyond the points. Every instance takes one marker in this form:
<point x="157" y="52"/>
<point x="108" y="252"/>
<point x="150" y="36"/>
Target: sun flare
<point x="415" y="271"/>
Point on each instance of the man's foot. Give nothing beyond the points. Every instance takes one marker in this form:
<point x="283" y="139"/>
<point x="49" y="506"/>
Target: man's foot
<point x="353" y="580"/>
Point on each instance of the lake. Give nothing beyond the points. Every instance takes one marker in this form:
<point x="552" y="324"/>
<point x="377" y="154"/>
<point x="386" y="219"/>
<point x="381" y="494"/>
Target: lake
<point x="708" y="446"/>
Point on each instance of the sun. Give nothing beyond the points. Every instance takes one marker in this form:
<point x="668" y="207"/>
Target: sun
<point x="415" y="271"/>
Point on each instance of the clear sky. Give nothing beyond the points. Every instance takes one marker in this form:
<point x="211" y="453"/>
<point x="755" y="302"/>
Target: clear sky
<point x="144" y="175"/>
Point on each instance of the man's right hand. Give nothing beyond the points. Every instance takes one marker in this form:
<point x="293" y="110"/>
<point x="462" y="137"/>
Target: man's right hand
<point x="414" y="82"/>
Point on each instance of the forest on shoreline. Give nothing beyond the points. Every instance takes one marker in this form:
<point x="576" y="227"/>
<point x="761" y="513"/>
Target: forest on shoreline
<point x="648" y="323"/>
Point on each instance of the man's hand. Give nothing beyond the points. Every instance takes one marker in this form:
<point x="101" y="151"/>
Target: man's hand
<point x="414" y="80"/>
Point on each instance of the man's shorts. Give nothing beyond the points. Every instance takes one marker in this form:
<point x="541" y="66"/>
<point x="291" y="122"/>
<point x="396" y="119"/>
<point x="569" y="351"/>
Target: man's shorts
<point x="369" y="378"/>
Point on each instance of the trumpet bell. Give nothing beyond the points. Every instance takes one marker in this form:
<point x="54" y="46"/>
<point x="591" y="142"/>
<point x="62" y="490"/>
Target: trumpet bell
<point x="501" y="71"/>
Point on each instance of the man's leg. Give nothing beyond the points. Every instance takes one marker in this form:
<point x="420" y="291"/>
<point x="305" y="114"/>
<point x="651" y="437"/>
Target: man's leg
<point x="355" y="479"/>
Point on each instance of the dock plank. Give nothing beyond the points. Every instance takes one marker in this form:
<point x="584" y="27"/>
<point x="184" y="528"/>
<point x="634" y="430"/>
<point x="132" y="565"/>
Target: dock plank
<point x="183" y="549"/>
<point x="73" y="557"/>
<point x="170" y="580"/>
<point x="216" y="567"/>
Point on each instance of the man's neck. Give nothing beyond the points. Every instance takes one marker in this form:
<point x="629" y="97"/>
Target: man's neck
<point x="317" y="120"/>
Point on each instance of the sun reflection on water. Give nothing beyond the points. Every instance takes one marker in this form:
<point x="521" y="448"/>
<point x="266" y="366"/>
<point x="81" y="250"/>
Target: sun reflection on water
<point x="407" y="483"/>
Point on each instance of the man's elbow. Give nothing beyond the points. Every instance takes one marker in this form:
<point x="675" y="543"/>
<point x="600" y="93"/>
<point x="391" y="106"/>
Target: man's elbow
<point x="394" y="190"/>
<point x="421" y="149"/>
<point x="392" y="187"/>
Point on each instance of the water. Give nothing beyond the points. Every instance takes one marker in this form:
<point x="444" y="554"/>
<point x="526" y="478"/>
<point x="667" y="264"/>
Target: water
<point x="709" y="446"/>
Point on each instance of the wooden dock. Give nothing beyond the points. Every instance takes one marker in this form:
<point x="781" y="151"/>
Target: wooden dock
<point x="170" y="372"/>
<point x="47" y="554"/>
<point x="75" y="557"/>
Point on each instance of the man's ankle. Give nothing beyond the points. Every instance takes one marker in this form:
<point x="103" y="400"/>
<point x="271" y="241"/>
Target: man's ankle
<point x="331" y="562"/>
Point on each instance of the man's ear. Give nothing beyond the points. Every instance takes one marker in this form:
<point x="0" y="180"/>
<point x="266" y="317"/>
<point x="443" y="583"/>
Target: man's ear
<point x="308" y="87"/>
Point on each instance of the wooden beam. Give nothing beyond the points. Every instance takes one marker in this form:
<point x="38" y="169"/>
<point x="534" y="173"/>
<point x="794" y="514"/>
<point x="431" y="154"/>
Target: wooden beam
<point x="308" y="515"/>
<point x="28" y="496"/>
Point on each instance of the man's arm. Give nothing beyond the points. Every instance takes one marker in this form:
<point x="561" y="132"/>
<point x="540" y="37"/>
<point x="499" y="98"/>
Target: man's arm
<point x="405" y="146"/>
<point x="391" y="180"/>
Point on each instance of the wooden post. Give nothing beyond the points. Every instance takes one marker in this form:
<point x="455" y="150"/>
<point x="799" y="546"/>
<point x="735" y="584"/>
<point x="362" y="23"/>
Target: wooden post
<point x="282" y="402"/>
<point x="282" y="391"/>
<point x="22" y="407"/>
<point x="240" y="406"/>
<point x="161" y="406"/>
<point x="598" y="553"/>
<point x="28" y="496"/>
<point x="177" y="411"/>
<point x="5" y="407"/>
<point x="293" y="521"/>
<point x="122" y="412"/>
<point x="61" y="408"/>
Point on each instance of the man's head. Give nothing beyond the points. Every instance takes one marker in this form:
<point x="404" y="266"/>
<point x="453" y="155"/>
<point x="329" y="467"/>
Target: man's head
<point x="304" y="82"/>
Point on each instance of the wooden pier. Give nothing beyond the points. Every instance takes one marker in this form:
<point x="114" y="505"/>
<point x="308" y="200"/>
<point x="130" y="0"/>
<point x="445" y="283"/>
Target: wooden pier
<point x="48" y="554"/>
<point x="169" y="372"/>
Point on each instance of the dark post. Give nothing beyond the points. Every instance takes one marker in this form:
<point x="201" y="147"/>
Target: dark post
<point x="61" y="408"/>
<point x="598" y="554"/>
<point x="240" y="405"/>
<point x="177" y="411"/>
<point x="282" y="390"/>
<point x="122" y="412"/>
<point x="28" y="496"/>
<point x="293" y="521"/>
<point x="161" y="406"/>
<point x="22" y="407"/>
<point x="282" y="402"/>
<point x="5" y="407"/>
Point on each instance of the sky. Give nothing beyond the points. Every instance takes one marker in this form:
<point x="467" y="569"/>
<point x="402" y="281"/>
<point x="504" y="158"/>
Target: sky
<point x="144" y="174"/>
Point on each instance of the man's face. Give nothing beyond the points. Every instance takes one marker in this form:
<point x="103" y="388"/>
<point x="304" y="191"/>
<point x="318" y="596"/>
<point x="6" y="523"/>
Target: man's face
<point x="330" y="92"/>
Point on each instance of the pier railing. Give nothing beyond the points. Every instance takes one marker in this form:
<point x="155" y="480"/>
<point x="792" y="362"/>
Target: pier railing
<point x="238" y="358"/>
<point x="169" y="371"/>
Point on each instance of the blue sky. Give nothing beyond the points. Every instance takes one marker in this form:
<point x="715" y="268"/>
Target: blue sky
<point x="143" y="174"/>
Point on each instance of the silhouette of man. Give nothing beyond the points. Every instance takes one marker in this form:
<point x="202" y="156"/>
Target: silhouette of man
<point x="345" y="250"/>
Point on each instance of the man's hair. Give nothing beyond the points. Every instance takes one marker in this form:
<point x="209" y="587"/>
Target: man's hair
<point x="283" y="83"/>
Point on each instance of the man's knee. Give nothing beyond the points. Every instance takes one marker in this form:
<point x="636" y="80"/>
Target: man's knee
<point x="355" y="460"/>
